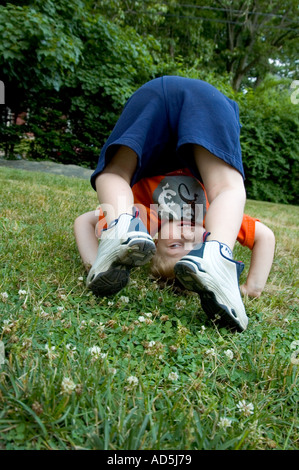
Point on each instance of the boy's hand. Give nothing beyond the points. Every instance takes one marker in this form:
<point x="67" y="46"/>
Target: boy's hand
<point x="251" y="292"/>
<point x="261" y="261"/>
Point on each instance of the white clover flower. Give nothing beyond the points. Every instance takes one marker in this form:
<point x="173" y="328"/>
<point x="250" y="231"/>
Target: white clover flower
<point x="132" y="380"/>
<point x="82" y="324"/>
<point x="50" y="352"/>
<point x="173" y="376"/>
<point x="229" y="354"/>
<point x="60" y="309"/>
<point x="42" y="313"/>
<point x="295" y="357"/>
<point x="7" y="325"/>
<point x="294" y="344"/>
<point x="95" y="351"/>
<point x="101" y="326"/>
<point x="151" y="344"/>
<point x="246" y="409"/>
<point x="124" y="299"/>
<point x="112" y="370"/>
<point x="22" y="292"/>
<point x="27" y="342"/>
<point x="224" y="423"/>
<point x="80" y="278"/>
<point x="141" y="319"/>
<point x="71" y="350"/>
<point x="148" y="314"/>
<point x="211" y="352"/>
<point x="67" y="386"/>
<point x="180" y="304"/>
<point x="4" y="296"/>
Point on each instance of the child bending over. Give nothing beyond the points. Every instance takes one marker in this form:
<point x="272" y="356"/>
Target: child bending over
<point x="165" y="205"/>
<point x="168" y="124"/>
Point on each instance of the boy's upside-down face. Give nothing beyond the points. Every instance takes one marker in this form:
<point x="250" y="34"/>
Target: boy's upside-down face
<point x="177" y="238"/>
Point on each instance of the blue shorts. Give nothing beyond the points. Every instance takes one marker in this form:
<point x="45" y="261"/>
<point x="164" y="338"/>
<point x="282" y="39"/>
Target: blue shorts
<point x="165" y="116"/>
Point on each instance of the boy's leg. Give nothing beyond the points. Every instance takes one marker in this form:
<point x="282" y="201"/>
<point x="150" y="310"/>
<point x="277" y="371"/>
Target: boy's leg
<point x="126" y="243"/>
<point x="226" y="194"/>
<point x="113" y="184"/>
<point x="209" y="268"/>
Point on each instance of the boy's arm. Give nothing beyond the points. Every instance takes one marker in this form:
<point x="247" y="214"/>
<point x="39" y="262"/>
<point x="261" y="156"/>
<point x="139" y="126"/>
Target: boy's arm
<point x="87" y="242"/>
<point x="261" y="261"/>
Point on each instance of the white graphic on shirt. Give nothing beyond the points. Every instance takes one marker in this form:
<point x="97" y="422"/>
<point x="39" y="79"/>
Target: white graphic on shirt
<point x="167" y="207"/>
<point x="180" y="197"/>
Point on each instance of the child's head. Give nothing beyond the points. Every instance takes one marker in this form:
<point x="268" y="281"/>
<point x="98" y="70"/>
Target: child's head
<point x="175" y="240"/>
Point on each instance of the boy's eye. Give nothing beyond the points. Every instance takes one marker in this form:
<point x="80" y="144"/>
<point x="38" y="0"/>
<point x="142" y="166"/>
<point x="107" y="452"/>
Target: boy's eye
<point x="175" y="245"/>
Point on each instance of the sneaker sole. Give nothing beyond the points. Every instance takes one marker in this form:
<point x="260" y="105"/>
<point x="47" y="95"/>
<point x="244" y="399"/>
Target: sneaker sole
<point x="189" y="275"/>
<point x="133" y="253"/>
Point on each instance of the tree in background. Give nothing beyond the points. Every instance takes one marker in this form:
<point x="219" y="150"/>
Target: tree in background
<point x="255" y="38"/>
<point x="248" y="39"/>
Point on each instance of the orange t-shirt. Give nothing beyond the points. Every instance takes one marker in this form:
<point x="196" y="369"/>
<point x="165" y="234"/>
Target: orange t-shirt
<point x="143" y="196"/>
<point x="178" y="195"/>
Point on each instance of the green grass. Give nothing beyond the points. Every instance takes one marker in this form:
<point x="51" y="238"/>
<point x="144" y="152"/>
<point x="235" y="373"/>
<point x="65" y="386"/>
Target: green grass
<point x="187" y="381"/>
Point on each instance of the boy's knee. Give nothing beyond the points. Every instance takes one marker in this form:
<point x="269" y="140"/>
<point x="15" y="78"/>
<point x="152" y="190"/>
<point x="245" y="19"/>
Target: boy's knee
<point x="234" y="186"/>
<point x="123" y="163"/>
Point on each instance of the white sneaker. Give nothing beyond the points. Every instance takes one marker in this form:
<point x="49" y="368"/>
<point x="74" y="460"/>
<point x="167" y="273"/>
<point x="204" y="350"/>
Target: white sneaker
<point x="123" y="245"/>
<point x="209" y="271"/>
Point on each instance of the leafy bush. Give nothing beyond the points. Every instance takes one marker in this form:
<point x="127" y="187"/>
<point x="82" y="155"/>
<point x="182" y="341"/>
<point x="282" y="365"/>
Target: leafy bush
<point x="269" y="140"/>
<point x="74" y="87"/>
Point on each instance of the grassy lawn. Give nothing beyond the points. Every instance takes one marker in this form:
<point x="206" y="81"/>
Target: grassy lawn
<point x="143" y="369"/>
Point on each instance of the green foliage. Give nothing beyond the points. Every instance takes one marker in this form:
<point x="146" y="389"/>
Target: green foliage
<point x="76" y="67"/>
<point x="10" y="138"/>
<point x="270" y="143"/>
<point x="37" y="47"/>
<point x="245" y="39"/>
<point x="73" y="64"/>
